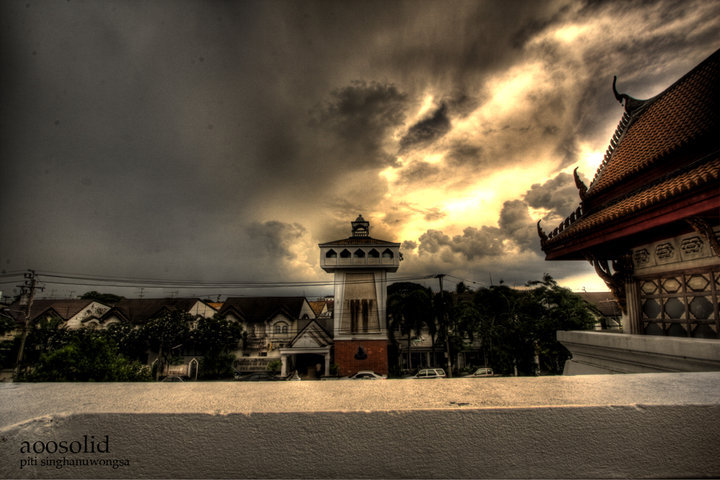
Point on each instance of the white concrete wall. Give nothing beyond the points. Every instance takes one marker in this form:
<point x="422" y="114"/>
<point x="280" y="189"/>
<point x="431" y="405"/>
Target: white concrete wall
<point x="595" y="426"/>
<point x="604" y="352"/>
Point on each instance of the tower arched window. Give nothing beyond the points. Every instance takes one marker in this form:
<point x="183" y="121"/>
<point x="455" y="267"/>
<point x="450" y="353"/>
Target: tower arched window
<point x="388" y="253"/>
<point x="331" y="254"/>
<point x="345" y="253"/>
<point x="373" y="253"/>
<point x="359" y="253"/>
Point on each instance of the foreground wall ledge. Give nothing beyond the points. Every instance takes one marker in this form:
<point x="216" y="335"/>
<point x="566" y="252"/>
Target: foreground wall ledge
<point x="603" y="352"/>
<point x="593" y="426"/>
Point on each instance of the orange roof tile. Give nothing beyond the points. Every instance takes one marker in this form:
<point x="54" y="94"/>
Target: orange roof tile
<point x="685" y="112"/>
<point x="707" y="173"/>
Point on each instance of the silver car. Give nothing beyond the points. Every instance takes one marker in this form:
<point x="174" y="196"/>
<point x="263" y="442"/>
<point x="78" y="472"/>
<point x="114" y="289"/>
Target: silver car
<point x="367" y="375"/>
<point x="430" y="373"/>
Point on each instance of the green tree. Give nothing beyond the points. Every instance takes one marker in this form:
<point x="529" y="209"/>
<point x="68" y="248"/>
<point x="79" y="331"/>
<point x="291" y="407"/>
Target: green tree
<point x="166" y="335"/>
<point x="7" y="323"/>
<point x="47" y="334"/>
<point x="106" y="298"/>
<point x="274" y="366"/>
<point x="86" y="355"/>
<point x="130" y="340"/>
<point x="409" y="308"/>
<point x="558" y="309"/>
<point x="216" y="338"/>
<point x="518" y="328"/>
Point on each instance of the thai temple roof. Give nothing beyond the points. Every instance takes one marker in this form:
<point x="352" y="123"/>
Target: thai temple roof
<point x="653" y="129"/>
<point x="665" y="150"/>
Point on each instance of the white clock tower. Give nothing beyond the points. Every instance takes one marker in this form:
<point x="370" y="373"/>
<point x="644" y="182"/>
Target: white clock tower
<point x="360" y="264"/>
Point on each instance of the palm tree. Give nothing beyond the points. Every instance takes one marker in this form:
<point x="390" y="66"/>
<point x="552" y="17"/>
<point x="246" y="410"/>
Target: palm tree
<point x="409" y="308"/>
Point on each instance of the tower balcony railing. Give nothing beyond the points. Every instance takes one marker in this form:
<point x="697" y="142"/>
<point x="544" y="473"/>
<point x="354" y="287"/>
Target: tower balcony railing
<point x="350" y="261"/>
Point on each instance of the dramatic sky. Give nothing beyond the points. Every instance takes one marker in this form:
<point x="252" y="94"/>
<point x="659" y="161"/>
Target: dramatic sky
<point x="197" y="141"/>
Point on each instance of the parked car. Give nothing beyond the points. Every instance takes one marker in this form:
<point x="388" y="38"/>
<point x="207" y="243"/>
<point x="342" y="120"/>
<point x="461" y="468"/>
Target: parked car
<point x="256" y="377"/>
<point x="172" y="378"/>
<point x="367" y="375"/>
<point x="430" y="373"/>
<point x="482" y="372"/>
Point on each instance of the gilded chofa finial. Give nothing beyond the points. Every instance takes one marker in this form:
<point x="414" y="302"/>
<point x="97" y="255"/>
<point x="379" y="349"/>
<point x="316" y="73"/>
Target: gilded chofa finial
<point x="619" y="96"/>
<point x="541" y="234"/>
<point x="582" y="188"/>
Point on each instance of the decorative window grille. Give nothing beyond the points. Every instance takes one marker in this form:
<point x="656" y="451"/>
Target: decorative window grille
<point x="681" y="305"/>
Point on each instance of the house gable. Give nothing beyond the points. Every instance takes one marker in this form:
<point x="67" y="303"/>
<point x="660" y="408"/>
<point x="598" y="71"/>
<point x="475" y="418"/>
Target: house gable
<point x="202" y="309"/>
<point x="93" y="311"/>
<point x="312" y="336"/>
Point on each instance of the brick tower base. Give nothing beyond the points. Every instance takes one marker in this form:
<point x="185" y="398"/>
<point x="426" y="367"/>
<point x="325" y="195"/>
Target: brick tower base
<point x="350" y="359"/>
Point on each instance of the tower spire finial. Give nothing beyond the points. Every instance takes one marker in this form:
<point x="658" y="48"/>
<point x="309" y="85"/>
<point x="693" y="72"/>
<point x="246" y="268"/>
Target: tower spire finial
<point x="360" y="227"/>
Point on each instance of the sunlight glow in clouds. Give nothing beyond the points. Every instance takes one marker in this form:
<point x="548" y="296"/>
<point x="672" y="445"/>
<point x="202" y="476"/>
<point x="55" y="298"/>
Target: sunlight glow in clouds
<point x="589" y="160"/>
<point x="509" y="91"/>
<point x="570" y="33"/>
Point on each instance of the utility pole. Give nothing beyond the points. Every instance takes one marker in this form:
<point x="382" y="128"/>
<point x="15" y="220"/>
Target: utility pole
<point x="440" y="277"/>
<point x="29" y="288"/>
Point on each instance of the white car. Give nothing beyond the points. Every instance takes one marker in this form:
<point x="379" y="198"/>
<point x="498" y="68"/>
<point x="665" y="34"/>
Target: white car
<point x="482" y="372"/>
<point x="367" y="375"/>
<point x="430" y="373"/>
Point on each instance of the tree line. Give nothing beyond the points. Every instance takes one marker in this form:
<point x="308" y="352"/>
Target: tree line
<point x="515" y="328"/>
<point x="120" y="352"/>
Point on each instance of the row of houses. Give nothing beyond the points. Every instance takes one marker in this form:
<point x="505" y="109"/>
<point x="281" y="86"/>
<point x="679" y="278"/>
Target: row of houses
<point x="295" y="330"/>
<point x="270" y="323"/>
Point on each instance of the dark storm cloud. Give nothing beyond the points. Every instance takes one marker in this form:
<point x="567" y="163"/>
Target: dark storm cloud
<point x="273" y="239"/>
<point x="427" y="130"/>
<point x="559" y="195"/>
<point x="472" y="244"/>
<point x="361" y="115"/>
<point x="463" y="154"/>
<point x="516" y="224"/>
<point x="420" y="172"/>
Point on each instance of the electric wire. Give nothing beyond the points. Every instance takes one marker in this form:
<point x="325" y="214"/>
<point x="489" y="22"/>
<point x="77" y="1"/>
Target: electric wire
<point x="56" y="278"/>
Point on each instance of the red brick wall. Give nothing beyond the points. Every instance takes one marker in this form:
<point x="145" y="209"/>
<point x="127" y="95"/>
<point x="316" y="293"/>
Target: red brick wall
<point x="377" y="356"/>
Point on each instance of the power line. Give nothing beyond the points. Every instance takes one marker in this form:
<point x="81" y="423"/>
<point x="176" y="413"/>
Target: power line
<point x="129" y="282"/>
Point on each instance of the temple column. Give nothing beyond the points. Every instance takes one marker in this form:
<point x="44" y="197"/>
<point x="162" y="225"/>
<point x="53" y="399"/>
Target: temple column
<point x="283" y="369"/>
<point x="632" y="302"/>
